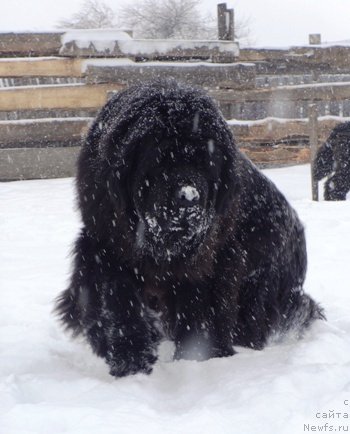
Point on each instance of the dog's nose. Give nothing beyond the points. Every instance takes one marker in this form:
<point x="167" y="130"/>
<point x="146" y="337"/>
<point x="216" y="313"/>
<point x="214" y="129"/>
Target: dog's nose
<point x="187" y="195"/>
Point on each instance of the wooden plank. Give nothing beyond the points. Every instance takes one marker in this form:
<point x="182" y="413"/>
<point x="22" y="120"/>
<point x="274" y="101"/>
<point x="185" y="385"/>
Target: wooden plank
<point x="42" y="113"/>
<point x="313" y="92"/>
<point x="37" y="163"/>
<point x="42" y="163"/>
<point x="67" y="131"/>
<point x="42" y="132"/>
<point x="50" y="97"/>
<point x="276" y="131"/>
<point x="332" y="57"/>
<point x="30" y="44"/>
<point x="48" y="162"/>
<point x="269" y="131"/>
<point x="279" y="156"/>
<point x="237" y="76"/>
<point x="262" y="54"/>
<point x="40" y="67"/>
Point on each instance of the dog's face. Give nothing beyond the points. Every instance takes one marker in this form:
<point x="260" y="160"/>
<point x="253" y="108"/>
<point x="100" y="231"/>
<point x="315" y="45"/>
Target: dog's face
<point x="174" y="200"/>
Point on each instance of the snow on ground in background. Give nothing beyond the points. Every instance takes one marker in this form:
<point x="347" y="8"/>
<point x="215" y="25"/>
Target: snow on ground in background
<point x="49" y="383"/>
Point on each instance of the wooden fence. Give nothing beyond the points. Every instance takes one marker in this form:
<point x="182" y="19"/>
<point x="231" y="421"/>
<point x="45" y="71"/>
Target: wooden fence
<point x="50" y="94"/>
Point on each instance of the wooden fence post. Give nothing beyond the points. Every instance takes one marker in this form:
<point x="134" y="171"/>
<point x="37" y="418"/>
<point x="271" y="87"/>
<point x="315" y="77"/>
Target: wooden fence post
<point x="313" y="138"/>
<point x="225" y="23"/>
<point x="231" y="25"/>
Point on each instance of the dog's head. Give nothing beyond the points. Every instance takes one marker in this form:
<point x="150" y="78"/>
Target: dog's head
<point x="164" y="156"/>
<point x="175" y="194"/>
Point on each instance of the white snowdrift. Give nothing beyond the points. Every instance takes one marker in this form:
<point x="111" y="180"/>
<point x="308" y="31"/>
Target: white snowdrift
<point x="49" y="384"/>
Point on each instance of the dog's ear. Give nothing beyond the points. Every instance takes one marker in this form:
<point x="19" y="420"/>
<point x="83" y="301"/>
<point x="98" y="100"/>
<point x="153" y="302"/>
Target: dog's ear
<point x="102" y="195"/>
<point x="226" y="194"/>
<point x="105" y="158"/>
<point x="117" y="187"/>
<point x="229" y="183"/>
<point x="102" y="171"/>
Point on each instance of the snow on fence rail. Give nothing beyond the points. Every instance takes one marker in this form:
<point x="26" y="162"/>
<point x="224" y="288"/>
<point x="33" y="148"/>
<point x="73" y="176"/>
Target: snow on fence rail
<point x="111" y="43"/>
<point x="216" y="51"/>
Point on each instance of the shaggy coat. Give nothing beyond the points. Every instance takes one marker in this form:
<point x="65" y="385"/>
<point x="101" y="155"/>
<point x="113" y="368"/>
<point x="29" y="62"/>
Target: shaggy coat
<point x="182" y="239"/>
<point x="333" y="160"/>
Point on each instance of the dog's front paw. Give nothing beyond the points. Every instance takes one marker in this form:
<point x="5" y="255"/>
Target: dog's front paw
<point x="123" y="363"/>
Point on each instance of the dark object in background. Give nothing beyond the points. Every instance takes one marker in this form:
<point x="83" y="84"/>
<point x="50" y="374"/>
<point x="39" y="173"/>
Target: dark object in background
<point x="333" y="160"/>
<point x="183" y="238"/>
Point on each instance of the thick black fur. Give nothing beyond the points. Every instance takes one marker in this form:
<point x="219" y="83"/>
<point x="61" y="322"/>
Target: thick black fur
<point x="183" y="238"/>
<point x="333" y="160"/>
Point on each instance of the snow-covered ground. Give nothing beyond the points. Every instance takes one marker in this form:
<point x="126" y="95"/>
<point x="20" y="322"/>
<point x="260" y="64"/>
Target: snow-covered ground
<point x="50" y="384"/>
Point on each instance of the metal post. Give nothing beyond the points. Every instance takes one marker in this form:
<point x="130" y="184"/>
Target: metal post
<point x="313" y="139"/>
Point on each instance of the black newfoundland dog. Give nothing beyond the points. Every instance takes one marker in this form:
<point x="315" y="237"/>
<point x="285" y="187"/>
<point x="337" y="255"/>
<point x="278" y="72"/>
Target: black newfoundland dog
<point x="182" y="239"/>
<point x="333" y="160"/>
